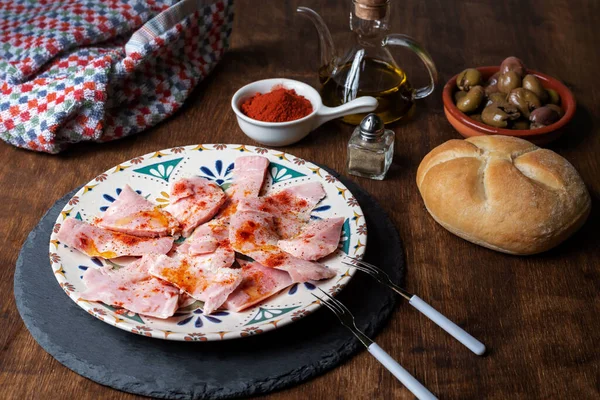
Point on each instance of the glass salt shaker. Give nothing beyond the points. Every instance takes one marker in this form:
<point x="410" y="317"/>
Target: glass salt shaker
<point x="370" y="149"/>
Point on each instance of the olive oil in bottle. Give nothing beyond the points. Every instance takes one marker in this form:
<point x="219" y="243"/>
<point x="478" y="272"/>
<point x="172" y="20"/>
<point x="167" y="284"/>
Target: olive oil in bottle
<point x="382" y="80"/>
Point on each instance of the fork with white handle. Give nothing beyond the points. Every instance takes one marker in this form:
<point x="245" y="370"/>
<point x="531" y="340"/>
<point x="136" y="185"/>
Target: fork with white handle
<point x="438" y="318"/>
<point x="347" y="319"/>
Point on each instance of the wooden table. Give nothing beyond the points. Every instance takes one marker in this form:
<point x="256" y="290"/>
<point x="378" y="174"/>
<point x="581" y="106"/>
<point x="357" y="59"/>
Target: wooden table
<point x="538" y="315"/>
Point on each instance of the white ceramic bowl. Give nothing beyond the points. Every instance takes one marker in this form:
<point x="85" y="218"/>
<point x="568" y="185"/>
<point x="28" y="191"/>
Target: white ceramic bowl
<point x="285" y="133"/>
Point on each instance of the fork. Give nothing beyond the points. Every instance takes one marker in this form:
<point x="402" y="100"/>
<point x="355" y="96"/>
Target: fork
<point x="438" y="318"/>
<point x="347" y="319"/>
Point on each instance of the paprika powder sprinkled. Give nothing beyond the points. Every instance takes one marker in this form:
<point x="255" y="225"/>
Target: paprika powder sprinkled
<point x="279" y="105"/>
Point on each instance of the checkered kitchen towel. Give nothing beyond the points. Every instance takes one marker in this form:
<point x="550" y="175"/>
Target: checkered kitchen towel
<point x="98" y="70"/>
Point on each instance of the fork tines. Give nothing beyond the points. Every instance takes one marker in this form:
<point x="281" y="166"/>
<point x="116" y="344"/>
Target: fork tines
<point x="344" y="315"/>
<point x="360" y="263"/>
<point x="378" y="274"/>
<point x="364" y="266"/>
<point x="333" y="304"/>
<point x="360" y="267"/>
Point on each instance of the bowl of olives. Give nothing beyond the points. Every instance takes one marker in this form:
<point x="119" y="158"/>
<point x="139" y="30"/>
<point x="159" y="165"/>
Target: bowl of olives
<point x="508" y="100"/>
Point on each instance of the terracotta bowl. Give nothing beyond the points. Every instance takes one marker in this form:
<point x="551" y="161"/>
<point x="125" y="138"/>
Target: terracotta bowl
<point x="468" y="127"/>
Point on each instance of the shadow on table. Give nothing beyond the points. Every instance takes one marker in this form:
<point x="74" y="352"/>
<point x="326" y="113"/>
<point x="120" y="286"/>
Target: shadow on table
<point x="576" y="132"/>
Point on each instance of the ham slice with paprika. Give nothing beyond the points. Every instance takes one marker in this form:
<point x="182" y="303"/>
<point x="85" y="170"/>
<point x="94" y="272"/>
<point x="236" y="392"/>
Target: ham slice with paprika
<point x="98" y="242"/>
<point x="193" y="201"/>
<point x="207" y="238"/>
<point x="209" y="252"/>
<point x="207" y="277"/>
<point x="258" y="284"/>
<point x="132" y="288"/>
<point x="249" y="173"/>
<point x="248" y="176"/>
<point x="316" y="240"/>
<point x="253" y="234"/>
<point x="133" y="214"/>
<point x="291" y="207"/>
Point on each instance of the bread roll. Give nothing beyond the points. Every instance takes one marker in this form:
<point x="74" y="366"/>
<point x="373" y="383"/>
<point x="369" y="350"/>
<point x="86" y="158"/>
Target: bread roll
<point x="503" y="193"/>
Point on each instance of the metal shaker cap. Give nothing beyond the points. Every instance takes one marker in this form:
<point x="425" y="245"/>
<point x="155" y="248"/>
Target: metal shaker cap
<point x="372" y="126"/>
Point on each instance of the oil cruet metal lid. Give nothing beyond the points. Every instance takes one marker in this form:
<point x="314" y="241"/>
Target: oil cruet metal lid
<point x="371" y="127"/>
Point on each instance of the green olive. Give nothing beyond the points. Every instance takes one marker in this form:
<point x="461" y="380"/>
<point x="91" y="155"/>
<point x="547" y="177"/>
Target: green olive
<point x="491" y="89"/>
<point x="493" y="80"/>
<point x="556" y="108"/>
<point x="520" y="124"/>
<point x="468" y="78"/>
<point x="543" y="116"/>
<point x="491" y="86"/>
<point x="494" y="116"/>
<point x="513" y="64"/>
<point x="472" y="100"/>
<point x="510" y="109"/>
<point x="553" y="96"/>
<point x="530" y="82"/>
<point x="498" y="116"/>
<point x="525" y="101"/>
<point x="508" y="81"/>
<point x="459" y="95"/>
<point x="497" y="97"/>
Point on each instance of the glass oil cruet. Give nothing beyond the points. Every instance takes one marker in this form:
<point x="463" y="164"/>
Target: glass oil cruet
<point x="368" y="68"/>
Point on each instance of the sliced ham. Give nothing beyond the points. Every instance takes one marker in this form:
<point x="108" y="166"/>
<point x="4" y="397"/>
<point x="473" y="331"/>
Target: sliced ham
<point x="291" y="207"/>
<point x="253" y="234"/>
<point x="258" y="283"/>
<point x="98" y="242"/>
<point x="248" y="176"/>
<point x="316" y="240"/>
<point x="208" y="237"/>
<point x="185" y="300"/>
<point x="274" y="230"/>
<point x="202" y="240"/>
<point x="133" y="214"/>
<point x="207" y="277"/>
<point x="193" y="201"/>
<point x="132" y="288"/>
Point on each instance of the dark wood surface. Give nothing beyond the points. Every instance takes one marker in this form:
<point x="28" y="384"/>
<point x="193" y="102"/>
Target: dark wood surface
<point x="538" y="315"/>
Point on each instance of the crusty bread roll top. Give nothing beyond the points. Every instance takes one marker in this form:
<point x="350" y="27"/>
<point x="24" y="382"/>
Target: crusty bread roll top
<point x="503" y="193"/>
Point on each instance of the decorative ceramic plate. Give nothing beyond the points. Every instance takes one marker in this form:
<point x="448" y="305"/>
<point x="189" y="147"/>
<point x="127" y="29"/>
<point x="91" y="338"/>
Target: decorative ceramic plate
<point x="149" y="175"/>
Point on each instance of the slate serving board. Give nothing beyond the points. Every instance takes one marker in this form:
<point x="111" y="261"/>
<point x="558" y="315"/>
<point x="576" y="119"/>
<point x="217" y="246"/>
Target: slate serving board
<point x="217" y="370"/>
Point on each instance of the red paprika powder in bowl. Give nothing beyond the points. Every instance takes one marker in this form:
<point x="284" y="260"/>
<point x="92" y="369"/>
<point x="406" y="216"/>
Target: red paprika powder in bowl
<point x="278" y="105"/>
<point x="279" y="112"/>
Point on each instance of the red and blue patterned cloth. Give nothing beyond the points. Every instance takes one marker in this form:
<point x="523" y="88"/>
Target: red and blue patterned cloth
<point x="99" y="70"/>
